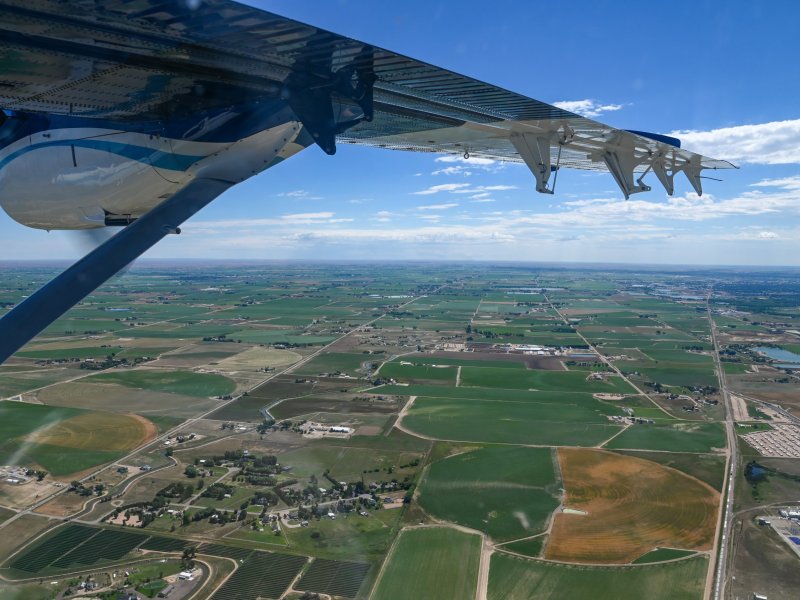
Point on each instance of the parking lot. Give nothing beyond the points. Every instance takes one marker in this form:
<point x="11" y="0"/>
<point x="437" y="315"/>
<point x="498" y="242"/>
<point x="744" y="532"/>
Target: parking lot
<point x="782" y="441"/>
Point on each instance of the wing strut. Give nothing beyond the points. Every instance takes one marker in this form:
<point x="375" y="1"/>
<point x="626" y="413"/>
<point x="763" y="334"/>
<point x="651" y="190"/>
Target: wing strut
<point x="47" y="304"/>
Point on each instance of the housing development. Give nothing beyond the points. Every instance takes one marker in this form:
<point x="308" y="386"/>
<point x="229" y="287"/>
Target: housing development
<point x="405" y="431"/>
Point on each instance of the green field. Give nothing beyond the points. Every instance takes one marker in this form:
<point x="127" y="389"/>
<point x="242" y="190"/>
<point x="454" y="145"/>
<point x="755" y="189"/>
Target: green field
<point x="506" y="492"/>
<point x="414" y="373"/>
<point x="678" y="437"/>
<point x="187" y="383"/>
<point x="426" y="359"/>
<point x="436" y="562"/>
<point x="20" y="422"/>
<point x="513" y="578"/>
<point x="661" y="554"/>
<point x="76" y="546"/>
<point x="543" y="419"/>
<point x="350" y="537"/>
<point x="560" y="381"/>
<point x="23" y="381"/>
<point x="333" y="362"/>
<point x="529" y="547"/>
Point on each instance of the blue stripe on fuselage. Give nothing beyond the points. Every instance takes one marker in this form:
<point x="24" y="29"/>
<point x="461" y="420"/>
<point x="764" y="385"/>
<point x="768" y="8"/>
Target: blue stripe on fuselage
<point x="222" y="126"/>
<point x="143" y="154"/>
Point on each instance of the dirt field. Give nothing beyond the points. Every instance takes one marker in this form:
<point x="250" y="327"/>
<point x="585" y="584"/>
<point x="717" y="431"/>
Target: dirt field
<point x="762" y="562"/>
<point x="633" y="505"/>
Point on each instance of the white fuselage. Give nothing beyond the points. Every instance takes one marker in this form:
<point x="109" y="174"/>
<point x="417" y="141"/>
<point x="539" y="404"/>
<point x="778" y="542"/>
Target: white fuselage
<point x="78" y="178"/>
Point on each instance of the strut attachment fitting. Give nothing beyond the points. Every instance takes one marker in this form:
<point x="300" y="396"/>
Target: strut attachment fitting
<point x="313" y="87"/>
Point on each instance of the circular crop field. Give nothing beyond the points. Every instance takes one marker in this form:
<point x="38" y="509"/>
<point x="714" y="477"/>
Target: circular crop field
<point x="96" y="431"/>
<point x="633" y="506"/>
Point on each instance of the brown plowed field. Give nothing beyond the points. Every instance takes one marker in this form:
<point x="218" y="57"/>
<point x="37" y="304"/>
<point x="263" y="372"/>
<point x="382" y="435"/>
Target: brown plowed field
<point x="633" y="505"/>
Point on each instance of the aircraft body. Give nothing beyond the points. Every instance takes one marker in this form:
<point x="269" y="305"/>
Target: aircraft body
<point x="138" y="114"/>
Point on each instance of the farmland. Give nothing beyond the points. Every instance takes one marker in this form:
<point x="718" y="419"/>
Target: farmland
<point x="475" y="398"/>
<point x="262" y="575"/>
<point x="176" y="382"/>
<point x="630" y="506"/>
<point x="507" y="492"/>
<point x="337" y="578"/>
<point x="538" y="419"/>
<point x="433" y="562"/>
<point x="512" y="578"/>
<point x="679" y="437"/>
<point x="66" y="440"/>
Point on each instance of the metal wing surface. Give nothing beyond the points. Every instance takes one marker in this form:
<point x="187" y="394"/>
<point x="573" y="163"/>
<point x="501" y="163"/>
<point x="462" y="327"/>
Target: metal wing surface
<point x="155" y="60"/>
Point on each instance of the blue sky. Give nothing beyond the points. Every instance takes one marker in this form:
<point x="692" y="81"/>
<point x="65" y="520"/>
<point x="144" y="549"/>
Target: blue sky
<point x="723" y="74"/>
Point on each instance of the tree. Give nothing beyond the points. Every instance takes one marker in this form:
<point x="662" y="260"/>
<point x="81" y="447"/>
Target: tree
<point x="191" y="471"/>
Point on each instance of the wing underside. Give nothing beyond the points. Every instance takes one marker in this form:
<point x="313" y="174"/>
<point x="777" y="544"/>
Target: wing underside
<point x="156" y="60"/>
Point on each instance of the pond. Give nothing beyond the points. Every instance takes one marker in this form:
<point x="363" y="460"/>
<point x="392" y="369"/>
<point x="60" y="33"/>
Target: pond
<point x="788" y="360"/>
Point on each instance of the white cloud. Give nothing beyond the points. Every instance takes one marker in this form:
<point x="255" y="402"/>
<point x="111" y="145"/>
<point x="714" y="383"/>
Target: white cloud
<point x="300" y="195"/>
<point x="317" y="218"/>
<point x="483" y="188"/>
<point x="587" y="108"/>
<point x="316" y="215"/>
<point x="457" y="170"/>
<point x="444" y="206"/>
<point x="384" y="216"/>
<point x="775" y="143"/>
<point x="474" y="161"/>
<point x="443" y="187"/>
<point x="433" y="234"/>
<point x="785" y="183"/>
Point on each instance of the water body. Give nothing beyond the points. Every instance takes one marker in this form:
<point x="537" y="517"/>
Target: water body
<point x="781" y="355"/>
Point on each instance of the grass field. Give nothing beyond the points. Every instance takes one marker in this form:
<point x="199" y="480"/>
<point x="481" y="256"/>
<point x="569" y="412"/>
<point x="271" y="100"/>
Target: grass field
<point x="119" y="398"/>
<point x="632" y="505"/>
<point x="66" y="440"/>
<point x="506" y="492"/>
<point x="557" y="381"/>
<point x="177" y="382"/>
<point x="413" y="373"/>
<point x="23" y="381"/>
<point x="436" y="562"/>
<point x="661" y="554"/>
<point x="677" y="437"/>
<point x="350" y="537"/>
<point x="512" y="578"/>
<point x="530" y="547"/>
<point x="534" y="418"/>
<point x="332" y="362"/>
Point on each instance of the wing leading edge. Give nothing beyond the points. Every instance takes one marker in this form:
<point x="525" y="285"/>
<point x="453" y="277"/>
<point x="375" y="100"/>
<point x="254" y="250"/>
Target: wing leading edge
<point x="155" y="59"/>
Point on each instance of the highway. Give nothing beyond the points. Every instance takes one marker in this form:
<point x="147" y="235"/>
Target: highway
<point x="724" y="541"/>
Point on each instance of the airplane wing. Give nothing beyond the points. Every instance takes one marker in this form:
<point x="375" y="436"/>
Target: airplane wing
<point x="162" y="69"/>
<point x="153" y="60"/>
